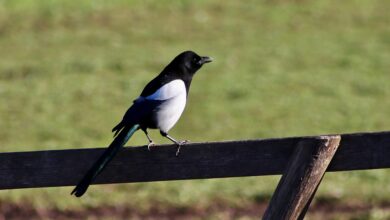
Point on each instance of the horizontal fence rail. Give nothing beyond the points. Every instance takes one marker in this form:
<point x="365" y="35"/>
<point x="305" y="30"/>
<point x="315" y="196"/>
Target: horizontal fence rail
<point x="196" y="161"/>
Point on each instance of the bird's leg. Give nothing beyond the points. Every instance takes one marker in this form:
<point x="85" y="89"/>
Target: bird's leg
<point x="151" y="143"/>
<point x="178" y="143"/>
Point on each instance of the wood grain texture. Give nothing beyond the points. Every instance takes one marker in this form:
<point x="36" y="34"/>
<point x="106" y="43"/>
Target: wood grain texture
<point x="301" y="178"/>
<point x="196" y="161"/>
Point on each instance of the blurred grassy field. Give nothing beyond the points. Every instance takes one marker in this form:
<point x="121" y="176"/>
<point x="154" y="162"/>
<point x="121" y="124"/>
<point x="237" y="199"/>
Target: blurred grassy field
<point x="70" y="69"/>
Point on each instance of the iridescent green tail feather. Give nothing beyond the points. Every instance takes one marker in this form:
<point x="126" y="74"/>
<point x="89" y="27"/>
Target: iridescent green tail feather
<point x="119" y="141"/>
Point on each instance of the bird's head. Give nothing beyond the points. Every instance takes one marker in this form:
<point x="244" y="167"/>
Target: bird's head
<point x="190" y="61"/>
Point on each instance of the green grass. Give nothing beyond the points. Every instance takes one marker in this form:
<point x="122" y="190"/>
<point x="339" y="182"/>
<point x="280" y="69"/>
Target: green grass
<point x="68" y="71"/>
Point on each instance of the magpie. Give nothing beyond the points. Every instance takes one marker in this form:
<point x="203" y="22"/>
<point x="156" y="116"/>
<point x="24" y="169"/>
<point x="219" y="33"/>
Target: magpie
<point x="159" y="106"/>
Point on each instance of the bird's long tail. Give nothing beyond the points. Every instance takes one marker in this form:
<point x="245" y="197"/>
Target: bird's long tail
<point x="104" y="159"/>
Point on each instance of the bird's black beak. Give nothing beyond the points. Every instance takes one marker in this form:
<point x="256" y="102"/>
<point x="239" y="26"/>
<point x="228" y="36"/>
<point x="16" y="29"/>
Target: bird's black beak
<point x="205" y="59"/>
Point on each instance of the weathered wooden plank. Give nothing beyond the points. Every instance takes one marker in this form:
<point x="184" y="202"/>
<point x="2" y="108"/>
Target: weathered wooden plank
<point x="301" y="178"/>
<point x="196" y="161"/>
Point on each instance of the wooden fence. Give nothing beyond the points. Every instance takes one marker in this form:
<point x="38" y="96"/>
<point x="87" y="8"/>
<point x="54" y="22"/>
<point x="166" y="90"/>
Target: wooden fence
<point x="301" y="160"/>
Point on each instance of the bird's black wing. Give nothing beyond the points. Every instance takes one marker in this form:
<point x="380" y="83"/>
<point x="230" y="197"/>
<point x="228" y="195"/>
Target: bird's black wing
<point x="165" y="77"/>
<point x="153" y="86"/>
<point x="141" y="110"/>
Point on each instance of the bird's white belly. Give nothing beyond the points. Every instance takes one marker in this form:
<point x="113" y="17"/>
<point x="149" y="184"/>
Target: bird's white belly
<point x="170" y="111"/>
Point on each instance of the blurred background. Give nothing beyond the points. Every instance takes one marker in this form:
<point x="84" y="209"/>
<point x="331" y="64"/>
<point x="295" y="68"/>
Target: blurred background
<point x="70" y="69"/>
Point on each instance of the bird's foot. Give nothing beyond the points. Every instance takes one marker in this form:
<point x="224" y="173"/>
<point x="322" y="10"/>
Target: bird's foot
<point x="179" y="144"/>
<point x="150" y="145"/>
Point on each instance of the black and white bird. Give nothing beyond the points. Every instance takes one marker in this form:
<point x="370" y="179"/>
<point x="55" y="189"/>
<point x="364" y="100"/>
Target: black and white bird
<point x="159" y="106"/>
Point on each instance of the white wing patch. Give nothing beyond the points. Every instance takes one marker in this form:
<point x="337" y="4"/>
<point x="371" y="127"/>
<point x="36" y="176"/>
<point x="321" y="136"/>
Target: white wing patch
<point x="172" y="89"/>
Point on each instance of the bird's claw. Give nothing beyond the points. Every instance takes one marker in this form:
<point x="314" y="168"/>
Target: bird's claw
<point x="150" y="145"/>
<point x="183" y="142"/>
<point x="179" y="144"/>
